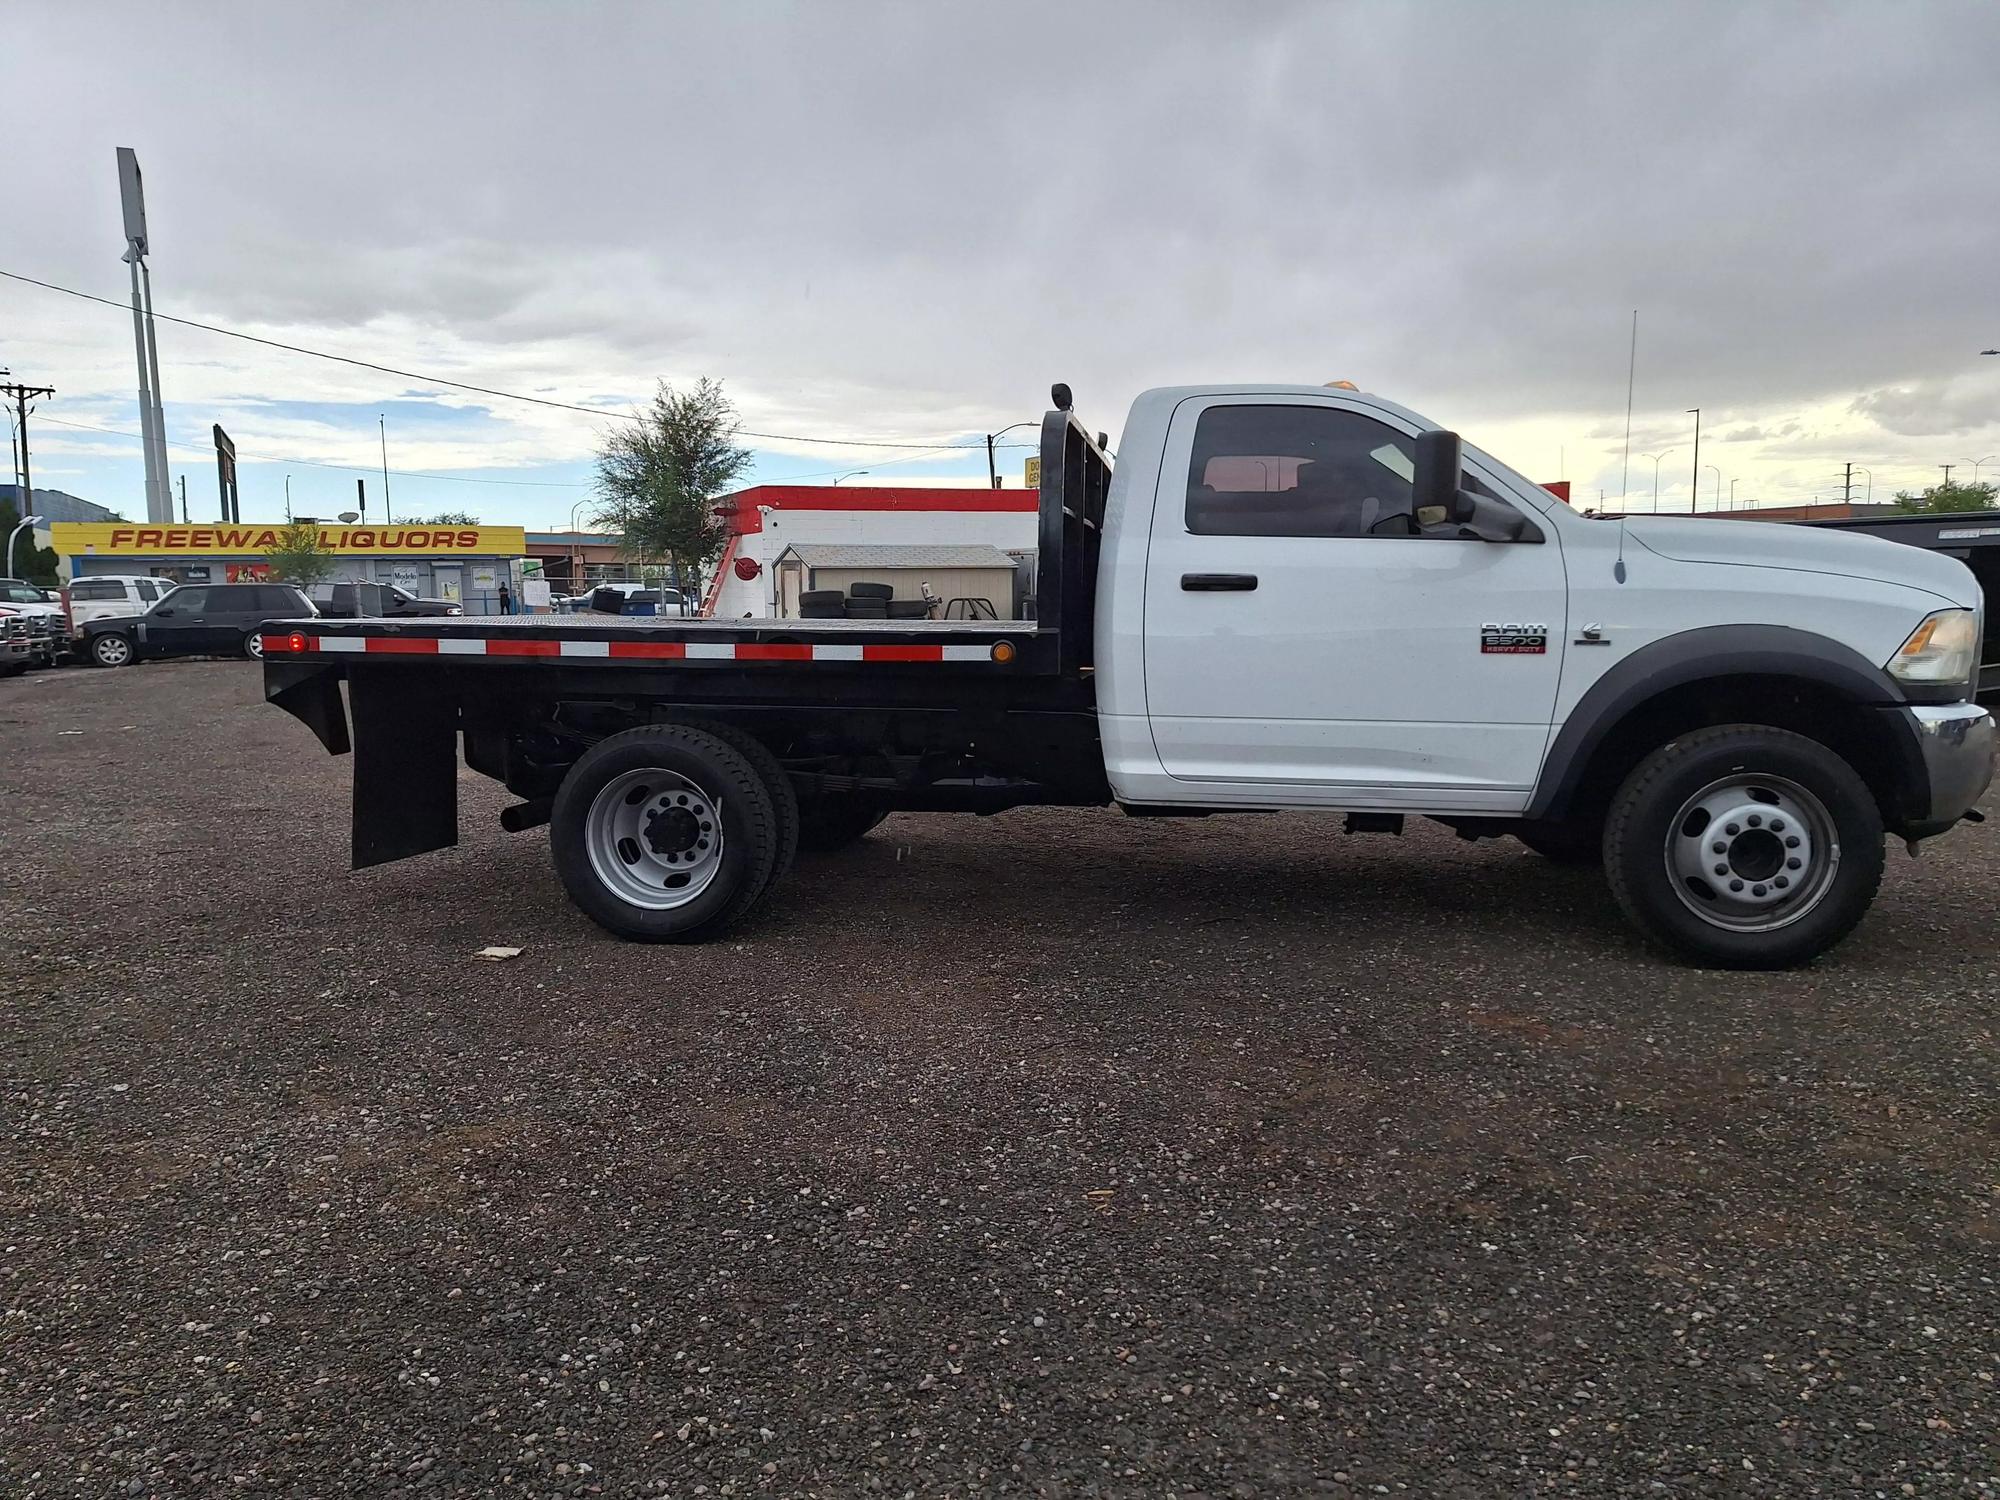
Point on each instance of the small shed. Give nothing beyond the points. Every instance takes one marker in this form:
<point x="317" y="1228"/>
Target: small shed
<point x="961" y="572"/>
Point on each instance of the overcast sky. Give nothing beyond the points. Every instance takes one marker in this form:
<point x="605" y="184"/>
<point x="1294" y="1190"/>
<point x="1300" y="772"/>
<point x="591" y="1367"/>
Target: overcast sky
<point x="903" y="222"/>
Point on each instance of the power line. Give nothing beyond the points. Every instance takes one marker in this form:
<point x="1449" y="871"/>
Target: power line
<point x="480" y="390"/>
<point x="308" y="463"/>
<point x="554" y="484"/>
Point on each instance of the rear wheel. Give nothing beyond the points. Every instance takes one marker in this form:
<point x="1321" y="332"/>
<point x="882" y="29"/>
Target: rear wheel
<point x="664" y="834"/>
<point x="110" y="649"/>
<point x="829" y="823"/>
<point x="253" y="645"/>
<point x="1745" y="847"/>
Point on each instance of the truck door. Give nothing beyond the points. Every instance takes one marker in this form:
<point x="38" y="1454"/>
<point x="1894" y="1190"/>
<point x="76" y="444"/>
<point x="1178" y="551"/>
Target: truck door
<point x="1304" y="630"/>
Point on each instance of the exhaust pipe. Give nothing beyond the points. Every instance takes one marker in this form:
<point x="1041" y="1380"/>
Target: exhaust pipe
<point x="525" y="815"/>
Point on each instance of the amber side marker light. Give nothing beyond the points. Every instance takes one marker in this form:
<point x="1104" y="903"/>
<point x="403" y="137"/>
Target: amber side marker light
<point x="1003" y="651"/>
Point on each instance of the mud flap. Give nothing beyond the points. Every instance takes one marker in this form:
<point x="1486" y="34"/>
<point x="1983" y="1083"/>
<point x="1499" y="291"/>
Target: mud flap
<point x="405" y="765"/>
<point x="312" y="696"/>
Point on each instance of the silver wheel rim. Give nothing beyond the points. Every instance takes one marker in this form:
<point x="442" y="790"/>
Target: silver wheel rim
<point x="254" y="644"/>
<point x="654" y="838"/>
<point x="112" y="650"/>
<point x="1752" y="853"/>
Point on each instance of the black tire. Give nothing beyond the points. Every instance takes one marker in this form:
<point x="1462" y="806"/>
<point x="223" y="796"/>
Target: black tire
<point x="1651" y="825"/>
<point x="784" y="798"/>
<point x="110" y="648"/>
<point x="253" y="644"/>
<point x="750" y="831"/>
<point x="822" y="596"/>
<point x="829" y="823"/>
<point x="1580" y="844"/>
<point x="883" y="591"/>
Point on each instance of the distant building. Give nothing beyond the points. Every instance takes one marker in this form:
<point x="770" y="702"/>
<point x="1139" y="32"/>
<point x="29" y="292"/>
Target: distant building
<point x="55" y="505"/>
<point x="766" y="520"/>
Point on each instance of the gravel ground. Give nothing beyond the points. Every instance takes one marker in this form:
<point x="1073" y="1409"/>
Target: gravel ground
<point x="1051" y="1154"/>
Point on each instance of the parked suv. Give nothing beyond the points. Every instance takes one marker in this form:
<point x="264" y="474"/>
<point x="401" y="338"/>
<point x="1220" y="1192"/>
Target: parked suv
<point x="111" y="595"/>
<point x="380" y="601"/>
<point x="197" y="619"/>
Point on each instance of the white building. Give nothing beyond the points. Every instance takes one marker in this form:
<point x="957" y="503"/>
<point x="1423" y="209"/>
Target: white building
<point x="768" y="518"/>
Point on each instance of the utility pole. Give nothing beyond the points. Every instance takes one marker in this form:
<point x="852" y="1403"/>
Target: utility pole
<point x="1947" y="472"/>
<point x="184" y="499"/>
<point x="21" y="395"/>
<point x="361" y="498"/>
<point x="1847" y="485"/>
<point x="1694" y="484"/>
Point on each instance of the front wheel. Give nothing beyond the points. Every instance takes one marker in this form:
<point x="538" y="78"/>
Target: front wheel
<point x="111" y="650"/>
<point x="1745" y="847"/>
<point x="664" y="834"/>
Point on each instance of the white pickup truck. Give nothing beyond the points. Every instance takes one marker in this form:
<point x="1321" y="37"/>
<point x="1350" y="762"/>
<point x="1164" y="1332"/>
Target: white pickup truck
<point x="1286" y="597"/>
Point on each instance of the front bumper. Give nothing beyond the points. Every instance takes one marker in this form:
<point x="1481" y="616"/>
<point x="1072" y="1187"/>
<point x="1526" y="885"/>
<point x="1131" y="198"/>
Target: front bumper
<point x="1957" y="743"/>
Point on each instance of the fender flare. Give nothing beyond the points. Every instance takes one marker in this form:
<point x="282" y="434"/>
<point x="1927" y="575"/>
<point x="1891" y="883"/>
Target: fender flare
<point x="1691" y="656"/>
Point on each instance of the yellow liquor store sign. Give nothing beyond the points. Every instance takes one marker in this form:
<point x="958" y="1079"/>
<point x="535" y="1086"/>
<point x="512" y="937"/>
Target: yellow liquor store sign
<point x="119" y="539"/>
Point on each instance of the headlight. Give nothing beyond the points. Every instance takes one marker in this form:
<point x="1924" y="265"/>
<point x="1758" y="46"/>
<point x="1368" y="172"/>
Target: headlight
<point x="1944" y="649"/>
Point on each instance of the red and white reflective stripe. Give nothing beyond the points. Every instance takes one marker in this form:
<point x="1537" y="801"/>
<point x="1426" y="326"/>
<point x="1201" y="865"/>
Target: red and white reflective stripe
<point x="529" y="648"/>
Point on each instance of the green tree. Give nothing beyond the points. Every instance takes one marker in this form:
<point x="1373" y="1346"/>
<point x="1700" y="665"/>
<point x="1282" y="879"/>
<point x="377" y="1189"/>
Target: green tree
<point x="447" y="518"/>
<point x="1948" y="498"/>
<point x="659" y="476"/>
<point x="36" y="564"/>
<point x="299" y="556"/>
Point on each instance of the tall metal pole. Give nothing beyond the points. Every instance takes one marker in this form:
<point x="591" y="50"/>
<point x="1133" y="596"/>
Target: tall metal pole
<point x="382" y="428"/>
<point x="159" y="412"/>
<point x="1694" y="484"/>
<point x="152" y="452"/>
<point x="184" y="499"/>
<point x="21" y="394"/>
<point x="1631" y="372"/>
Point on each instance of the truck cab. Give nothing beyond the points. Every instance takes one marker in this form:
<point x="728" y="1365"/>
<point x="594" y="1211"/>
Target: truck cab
<point x="1283" y="598"/>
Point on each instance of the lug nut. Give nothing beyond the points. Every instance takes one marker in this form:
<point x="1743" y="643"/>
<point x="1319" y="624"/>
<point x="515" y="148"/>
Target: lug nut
<point x="1756" y="890"/>
<point x="1755" y="821"/>
<point x="1719" y="847"/>
<point x="1733" y="829"/>
<point x="1736" y="885"/>
<point x="1777" y="825"/>
<point x="1792" y="842"/>
<point x="1794" y="864"/>
<point x="1781" y="882"/>
<point x="1722" y="869"/>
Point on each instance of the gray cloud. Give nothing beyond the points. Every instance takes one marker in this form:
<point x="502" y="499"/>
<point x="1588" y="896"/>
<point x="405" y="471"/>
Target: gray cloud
<point x="908" y="220"/>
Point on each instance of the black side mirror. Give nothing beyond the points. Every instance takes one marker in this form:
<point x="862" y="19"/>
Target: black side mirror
<point x="1439" y="464"/>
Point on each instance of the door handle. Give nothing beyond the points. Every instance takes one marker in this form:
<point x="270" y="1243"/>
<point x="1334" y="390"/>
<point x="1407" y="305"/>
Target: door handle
<point x="1219" y="583"/>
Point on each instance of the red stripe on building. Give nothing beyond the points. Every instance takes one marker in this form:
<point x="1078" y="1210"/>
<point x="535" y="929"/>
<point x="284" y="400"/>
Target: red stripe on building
<point x="649" y="650"/>
<point x="503" y="646"/>
<point x="403" y="645"/>
<point x="902" y="653"/>
<point x="760" y="651"/>
<point x="746" y="513"/>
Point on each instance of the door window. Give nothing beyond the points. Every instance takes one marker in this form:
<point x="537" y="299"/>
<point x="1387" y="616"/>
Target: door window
<point x="1307" y="471"/>
<point x="96" y="591"/>
<point x="186" y="602"/>
<point x="147" y="590"/>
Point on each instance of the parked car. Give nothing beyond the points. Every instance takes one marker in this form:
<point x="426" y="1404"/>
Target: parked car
<point x="197" y="619"/>
<point x="47" y="631"/>
<point x="378" y="601"/>
<point x="634" y="599"/>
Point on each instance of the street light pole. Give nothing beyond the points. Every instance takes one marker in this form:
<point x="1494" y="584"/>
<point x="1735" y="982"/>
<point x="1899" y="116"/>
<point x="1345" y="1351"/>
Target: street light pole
<point x="1732" y="494"/>
<point x="993" y="473"/>
<point x="850" y="474"/>
<point x="1980" y="463"/>
<point x="26" y="522"/>
<point x="1656" y="457"/>
<point x="1694" y="484"/>
<point x="1717" y="504"/>
<point x="381" y="427"/>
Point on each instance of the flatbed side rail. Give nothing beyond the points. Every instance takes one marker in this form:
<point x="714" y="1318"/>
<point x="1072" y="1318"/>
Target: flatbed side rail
<point x="1076" y="479"/>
